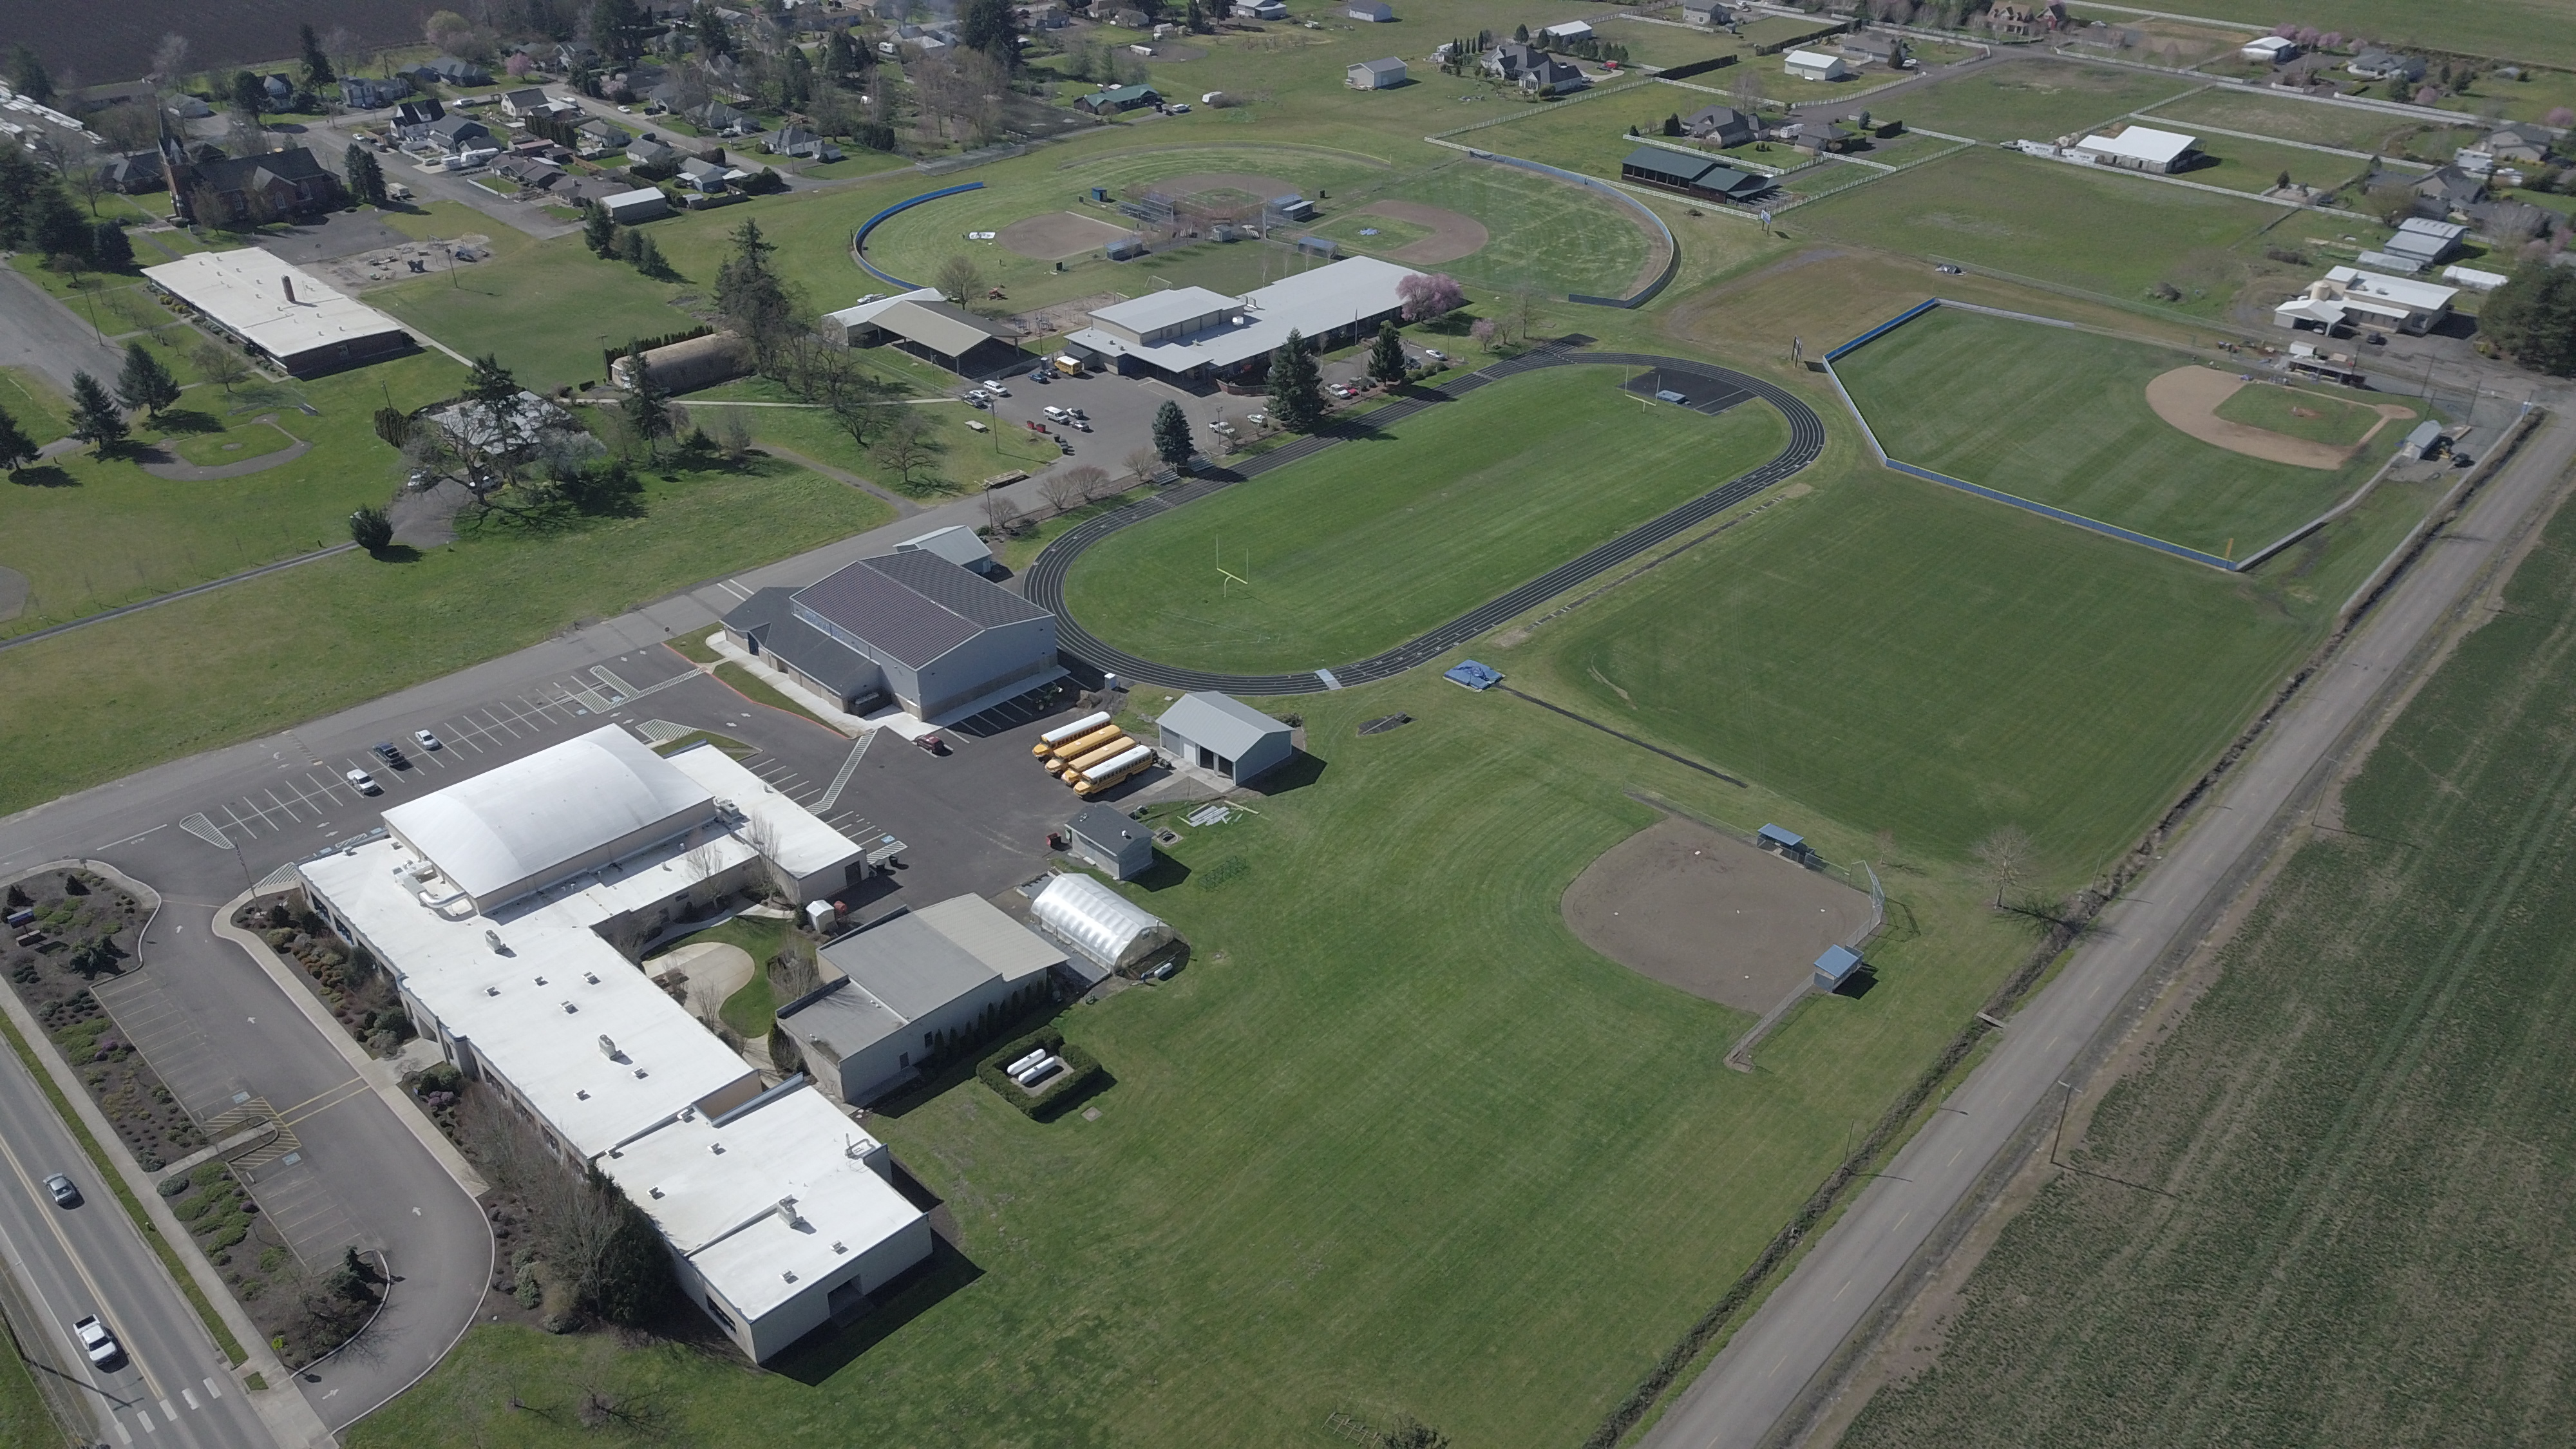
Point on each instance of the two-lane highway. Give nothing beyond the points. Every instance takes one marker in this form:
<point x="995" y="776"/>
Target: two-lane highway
<point x="173" y="1388"/>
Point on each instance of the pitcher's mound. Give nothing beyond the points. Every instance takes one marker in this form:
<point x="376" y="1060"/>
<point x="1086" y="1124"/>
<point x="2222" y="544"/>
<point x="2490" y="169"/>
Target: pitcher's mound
<point x="1056" y="235"/>
<point x="1710" y="915"/>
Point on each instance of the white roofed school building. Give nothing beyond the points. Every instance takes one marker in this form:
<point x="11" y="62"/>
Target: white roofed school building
<point x="1189" y="333"/>
<point x="504" y="908"/>
<point x="2350" y="297"/>
<point x="290" y="317"/>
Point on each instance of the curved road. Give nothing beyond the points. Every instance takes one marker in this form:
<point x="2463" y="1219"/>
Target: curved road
<point x="1044" y="582"/>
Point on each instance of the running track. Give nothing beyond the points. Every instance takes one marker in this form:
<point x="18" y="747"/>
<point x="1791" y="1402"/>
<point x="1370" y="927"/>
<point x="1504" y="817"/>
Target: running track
<point x="1044" y="583"/>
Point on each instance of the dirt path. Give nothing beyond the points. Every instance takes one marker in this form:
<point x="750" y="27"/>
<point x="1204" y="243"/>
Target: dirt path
<point x="1452" y="235"/>
<point x="715" y="971"/>
<point x="2188" y="398"/>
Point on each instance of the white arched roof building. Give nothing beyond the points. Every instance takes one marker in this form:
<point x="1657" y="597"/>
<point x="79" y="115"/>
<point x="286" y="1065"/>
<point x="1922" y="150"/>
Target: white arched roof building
<point x="533" y="822"/>
<point x="1105" y="925"/>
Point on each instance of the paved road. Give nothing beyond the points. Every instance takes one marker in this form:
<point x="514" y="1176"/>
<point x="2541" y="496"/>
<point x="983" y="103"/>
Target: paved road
<point x="1711" y="388"/>
<point x="41" y="334"/>
<point x="1768" y="1368"/>
<point x="74" y="1262"/>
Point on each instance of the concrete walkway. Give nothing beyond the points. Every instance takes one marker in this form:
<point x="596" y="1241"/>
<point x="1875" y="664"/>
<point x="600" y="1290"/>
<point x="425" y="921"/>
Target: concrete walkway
<point x="186" y="472"/>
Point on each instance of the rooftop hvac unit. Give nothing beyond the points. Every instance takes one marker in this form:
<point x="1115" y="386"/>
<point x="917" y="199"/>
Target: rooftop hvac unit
<point x="607" y="1048"/>
<point x="493" y="940"/>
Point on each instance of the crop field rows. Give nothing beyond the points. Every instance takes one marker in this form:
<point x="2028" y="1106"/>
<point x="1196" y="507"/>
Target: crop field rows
<point x="2331" y="1208"/>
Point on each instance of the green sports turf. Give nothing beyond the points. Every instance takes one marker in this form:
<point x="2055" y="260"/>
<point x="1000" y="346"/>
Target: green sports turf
<point x="2317" y="413"/>
<point x="2331" y="1209"/>
<point x="2060" y="417"/>
<point x="1889" y="653"/>
<point x="1393" y="1143"/>
<point x="1376" y="540"/>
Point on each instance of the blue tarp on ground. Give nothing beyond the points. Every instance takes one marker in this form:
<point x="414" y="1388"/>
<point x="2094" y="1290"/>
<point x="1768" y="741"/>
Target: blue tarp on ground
<point x="1835" y="966"/>
<point x="1475" y="675"/>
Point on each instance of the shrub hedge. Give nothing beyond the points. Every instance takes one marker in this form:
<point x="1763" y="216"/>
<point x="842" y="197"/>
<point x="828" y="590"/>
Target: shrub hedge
<point x="1079" y="1068"/>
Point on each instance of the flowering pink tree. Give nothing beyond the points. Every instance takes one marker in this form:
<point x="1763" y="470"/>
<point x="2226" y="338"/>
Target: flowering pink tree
<point x="2331" y="40"/>
<point x="2559" y="116"/>
<point x="2427" y="95"/>
<point x="2287" y="30"/>
<point x="518" y="66"/>
<point x="1429" y="294"/>
<point x="1484" y="332"/>
<point x="2308" y="36"/>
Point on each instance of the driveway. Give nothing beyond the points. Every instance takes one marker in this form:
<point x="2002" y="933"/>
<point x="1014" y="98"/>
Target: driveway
<point x="43" y="335"/>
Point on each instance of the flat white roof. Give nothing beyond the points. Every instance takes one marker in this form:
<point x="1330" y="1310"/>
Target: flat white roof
<point x="798" y="843"/>
<point x="767" y="1204"/>
<point x="1162" y="309"/>
<point x="640" y="193"/>
<point x="1310" y="303"/>
<point x="1568" y="30"/>
<point x="2143" y="143"/>
<point x="535" y="1011"/>
<point x="510" y="826"/>
<point x="246" y="292"/>
<point x="2420" y="296"/>
<point x="1812" y="58"/>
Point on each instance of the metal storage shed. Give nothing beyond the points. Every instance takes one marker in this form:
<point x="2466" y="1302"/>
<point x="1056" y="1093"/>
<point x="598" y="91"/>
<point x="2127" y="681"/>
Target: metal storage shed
<point x="1111" y="841"/>
<point x="1836" y="967"/>
<point x="1214" y="732"/>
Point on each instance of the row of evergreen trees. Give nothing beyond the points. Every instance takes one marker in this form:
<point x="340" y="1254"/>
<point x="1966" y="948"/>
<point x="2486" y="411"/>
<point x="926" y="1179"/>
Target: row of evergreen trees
<point x="145" y="385"/>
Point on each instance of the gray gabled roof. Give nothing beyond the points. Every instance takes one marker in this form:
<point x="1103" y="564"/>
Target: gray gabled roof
<point x="1388" y="66"/>
<point x="1220" y="722"/>
<point x="914" y="606"/>
<point x="909" y="965"/>
<point x="943" y="327"/>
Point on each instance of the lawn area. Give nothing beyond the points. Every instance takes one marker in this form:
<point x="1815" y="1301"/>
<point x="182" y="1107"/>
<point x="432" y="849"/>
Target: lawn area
<point x="1376" y="1220"/>
<point x="2530" y="30"/>
<point x="1375" y="540"/>
<point x="1871" y="653"/>
<point x="2072" y="225"/>
<point x="2255" y="166"/>
<point x="749" y="1009"/>
<point x="259" y="656"/>
<point x="546" y="309"/>
<point x="2038" y="100"/>
<point x="2330" y="1208"/>
<point x="2318" y="413"/>
<point x="24" y="1419"/>
<point x="752" y="687"/>
<point x="2076" y="432"/>
<point x="40" y="407"/>
<point x="1666" y="46"/>
<point x="2290" y="119"/>
<point x="106" y="533"/>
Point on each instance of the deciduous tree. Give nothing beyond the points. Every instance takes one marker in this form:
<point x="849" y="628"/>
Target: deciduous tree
<point x="1429" y="294"/>
<point x="2004" y="854"/>
<point x="220" y="365"/>
<point x="961" y="280"/>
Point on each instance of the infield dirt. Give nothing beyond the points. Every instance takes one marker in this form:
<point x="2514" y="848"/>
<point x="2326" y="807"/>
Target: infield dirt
<point x="1708" y="914"/>
<point x="2188" y="398"/>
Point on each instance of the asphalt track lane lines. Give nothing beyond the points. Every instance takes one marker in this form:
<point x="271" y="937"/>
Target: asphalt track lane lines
<point x="1044" y="585"/>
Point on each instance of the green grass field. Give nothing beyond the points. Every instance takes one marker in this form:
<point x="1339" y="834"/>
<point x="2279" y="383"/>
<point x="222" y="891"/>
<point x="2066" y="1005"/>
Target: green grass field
<point x="92" y="705"/>
<point x="24" y="1418"/>
<point x="2118" y="236"/>
<point x="2528" y="30"/>
<point x="1378" y="539"/>
<point x="104" y="532"/>
<point x="544" y="308"/>
<point x="1479" y="1175"/>
<point x="2319" y="414"/>
<point x="2254" y="167"/>
<point x="2037" y="100"/>
<point x="2061" y="417"/>
<point x="1885" y="653"/>
<point x="42" y="411"/>
<point x="2289" y="119"/>
<point x="2331" y="1207"/>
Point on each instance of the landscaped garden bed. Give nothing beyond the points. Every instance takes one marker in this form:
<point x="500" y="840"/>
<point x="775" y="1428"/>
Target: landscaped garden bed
<point x="303" y="1310"/>
<point x="70" y="930"/>
<point x="346" y="976"/>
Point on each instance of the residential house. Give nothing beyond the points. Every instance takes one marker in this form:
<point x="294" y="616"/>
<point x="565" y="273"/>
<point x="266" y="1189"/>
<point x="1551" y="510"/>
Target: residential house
<point x="598" y="138"/>
<point x="412" y="117"/>
<point x="130" y="174"/>
<point x="1507" y="60"/>
<point x="1724" y="125"/>
<point x="1259" y="10"/>
<point x="1374" y="75"/>
<point x="1870" y="48"/>
<point x="456" y="135"/>
<point x="1705" y="12"/>
<point x="797" y="141"/>
<point x="1373" y="12"/>
<point x="2385" y="65"/>
<point x="2521" y="142"/>
<point x="524" y="102"/>
<point x="1116" y="99"/>
<point x="1553" y="77"/>
<point x="371" y="93"/>
<point x="709" y="177"/>
<point x="279" y="88"/>
<point x="2501" y="219"/>
<point x="223" y="190"/>
<point x="649" y="151"/>
<point x="718" y="119"/>
<point x="531" y="173"/>
<point x="459" y="72"/>
<point x="2446" y="189"/>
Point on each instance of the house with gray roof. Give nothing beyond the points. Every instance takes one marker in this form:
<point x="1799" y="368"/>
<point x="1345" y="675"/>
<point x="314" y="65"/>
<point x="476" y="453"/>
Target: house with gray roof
<point x="909" y="627"/>
<point x="1725" y="125"/>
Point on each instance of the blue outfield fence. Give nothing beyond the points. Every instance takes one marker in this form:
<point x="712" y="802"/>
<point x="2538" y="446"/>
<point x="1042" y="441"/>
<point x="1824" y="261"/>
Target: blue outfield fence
<point x="859" y="239"/>
<point x="1890" y="325"/>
